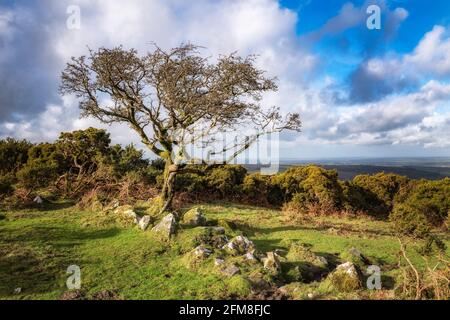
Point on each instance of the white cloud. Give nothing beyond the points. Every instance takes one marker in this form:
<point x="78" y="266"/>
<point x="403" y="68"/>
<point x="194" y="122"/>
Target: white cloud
<point x="252" y="27"/>
<point x="432" y="53"/>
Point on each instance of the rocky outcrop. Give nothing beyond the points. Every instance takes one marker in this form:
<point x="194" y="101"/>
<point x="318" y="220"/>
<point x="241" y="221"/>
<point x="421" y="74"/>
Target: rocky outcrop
<point x="345" y="278"/>
<point x="194" y="217"/>
<point x="239" y="245"/>
<point x="166" y="227"/>
<point x="144" y="222"/>
<point x="271" y="262"/>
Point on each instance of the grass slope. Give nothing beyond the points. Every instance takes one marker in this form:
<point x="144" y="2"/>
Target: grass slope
<point x="37" y="246"/>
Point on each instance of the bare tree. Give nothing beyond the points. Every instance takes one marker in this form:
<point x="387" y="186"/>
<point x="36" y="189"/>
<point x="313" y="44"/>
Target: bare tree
<point x="176" y="98"/>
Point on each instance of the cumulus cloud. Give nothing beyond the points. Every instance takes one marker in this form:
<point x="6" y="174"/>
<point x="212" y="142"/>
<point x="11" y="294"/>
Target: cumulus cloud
<point x="378" y="77"/>
<point x="35" y="44"/>
<point x="385" y="121"/>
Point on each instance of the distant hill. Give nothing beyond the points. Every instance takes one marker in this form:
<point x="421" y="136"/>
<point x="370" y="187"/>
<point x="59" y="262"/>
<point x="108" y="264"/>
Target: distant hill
<point x="413" y="168"/>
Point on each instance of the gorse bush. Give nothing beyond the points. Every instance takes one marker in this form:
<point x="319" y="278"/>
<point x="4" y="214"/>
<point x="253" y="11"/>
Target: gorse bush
<point x="375" y="194"/>
<point x="227" y="179"/>
<point x="82" y="161"/>
<point x="13" y="155"/>
<point x="425" y="206"/>
<point x="311" y="186"/>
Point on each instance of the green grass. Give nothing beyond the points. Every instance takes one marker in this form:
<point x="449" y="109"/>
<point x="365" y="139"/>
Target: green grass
<point x="37" y="246"/>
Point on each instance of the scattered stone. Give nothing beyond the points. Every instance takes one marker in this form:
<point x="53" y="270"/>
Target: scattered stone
<point x="346" y="277"/>
<point x="201" y="252"/>
<point x="231" y="270"/>
<point x="218" y="241"/>
<point x="132" y="215"/>
<point x="250" y="256"/>
<point x="239" y="245"/>
<point x="166" y="227"/>
<point x="38" y="200"/>
<point x="271" y="262"/>
<point x="218" y="262"/>
<point x="144" y="222"/>
<point x="302" y="252"/>
<point x="194" y="217"/>
<point x="311" y="295"/>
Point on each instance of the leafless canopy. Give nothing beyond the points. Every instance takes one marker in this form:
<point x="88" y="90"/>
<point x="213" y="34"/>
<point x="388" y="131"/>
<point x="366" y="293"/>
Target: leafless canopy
<point x="175" y="98"/>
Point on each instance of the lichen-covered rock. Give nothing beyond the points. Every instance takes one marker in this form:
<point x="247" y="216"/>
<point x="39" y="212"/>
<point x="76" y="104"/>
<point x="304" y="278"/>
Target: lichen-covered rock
<point x="202" y="253"/>
<point x="218" y="262"/>
<point x="249" y="256"/>
<point x="218" y="241"/>
<point x="231" y="270"/>
<point x="38" y="200"/>
<point x="300" y="252"/>
<point x="239" y="245"/>
<point x="355" y="256"/>
<point x="166" y="227"/>
<point x="345" y="278"/>
<point x="144" y="222"/>
<point x="194" y="217"/>
<point x="271" y="262"/>
<point x="126" y="215"/>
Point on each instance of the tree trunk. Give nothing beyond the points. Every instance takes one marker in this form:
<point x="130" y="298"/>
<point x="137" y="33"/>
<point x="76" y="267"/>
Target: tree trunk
<point x="168" y="192"/>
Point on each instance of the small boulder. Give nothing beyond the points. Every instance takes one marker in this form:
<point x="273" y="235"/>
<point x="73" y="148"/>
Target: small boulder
<point x="202" y="253"/>
<point x="301" y="252"/>
<point x="271" y="262"/>
<point x="38" y="200"/>
<point x="218" y="262"/>
<point x="132" y="215"/>
<point x="239" y="245"/>
<point x="166" y="227"/>
<point x="249" y="256"/>
<point x="194" y="217"/>
<point x="345" y="278"/>
<point x="231" y="270"/>
<point x="144" y="222"/>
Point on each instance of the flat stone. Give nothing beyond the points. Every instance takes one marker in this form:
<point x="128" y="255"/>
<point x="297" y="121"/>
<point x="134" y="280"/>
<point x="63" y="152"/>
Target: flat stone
<point x="201" y="252"/>
<point x="239" y="245"/>
<point x="218" y="262"/>
<point x="231" y="270"/>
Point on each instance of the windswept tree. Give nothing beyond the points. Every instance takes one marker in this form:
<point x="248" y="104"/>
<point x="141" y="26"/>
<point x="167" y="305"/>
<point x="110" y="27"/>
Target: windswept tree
<point x="175" y="99"/>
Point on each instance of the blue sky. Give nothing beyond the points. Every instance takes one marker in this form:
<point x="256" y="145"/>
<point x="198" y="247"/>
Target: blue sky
<point x="360" y="92"/>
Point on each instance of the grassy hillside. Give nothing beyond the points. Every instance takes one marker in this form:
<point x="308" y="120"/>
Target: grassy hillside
<point x="37" y="246"/>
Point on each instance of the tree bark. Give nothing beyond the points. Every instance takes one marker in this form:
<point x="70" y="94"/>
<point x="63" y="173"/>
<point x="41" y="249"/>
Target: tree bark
<point x="168" y="192"/>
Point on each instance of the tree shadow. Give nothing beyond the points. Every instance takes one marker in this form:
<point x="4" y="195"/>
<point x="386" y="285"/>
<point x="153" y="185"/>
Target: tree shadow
<point x="36" y="260"/>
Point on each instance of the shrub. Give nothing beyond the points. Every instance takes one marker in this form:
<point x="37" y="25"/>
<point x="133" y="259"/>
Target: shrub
<point x="37" y="174"/>
<point x="13" y="155"/>
<point x="190" y="182"/>
<point x="6" y="184"/>
<point x="426" y="206"/>
<point x="374" y="194"/>
<point x="311" y="186"/>
<point x="225" y="180"/>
